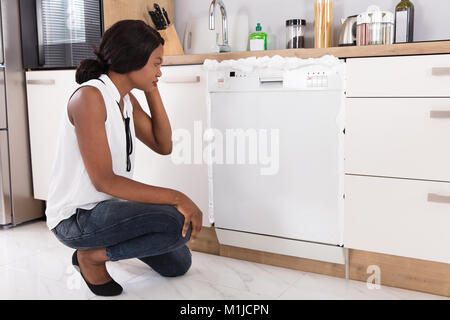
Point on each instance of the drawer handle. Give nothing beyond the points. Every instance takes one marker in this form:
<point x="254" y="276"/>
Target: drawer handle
<point x="194" y="79"/>
<point x="433" y="197"/>
<point x="439" y="114"/>
<point x="45" y="82"/>
<point x="443" y="71"/>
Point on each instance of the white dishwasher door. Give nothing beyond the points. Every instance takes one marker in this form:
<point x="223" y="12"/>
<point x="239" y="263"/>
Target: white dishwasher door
<point x="303" y="200"/>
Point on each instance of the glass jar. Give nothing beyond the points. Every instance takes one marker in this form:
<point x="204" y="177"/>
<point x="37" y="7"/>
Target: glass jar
<point x="375" y="30"/>
<point x="362" y="29"/>
<point x="388" y="27"/>
<point x="323" y="24"/>
<point x="295" y="33"/>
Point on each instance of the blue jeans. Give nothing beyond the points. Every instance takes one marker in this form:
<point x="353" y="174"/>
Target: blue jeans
<point x="149" y="232"/>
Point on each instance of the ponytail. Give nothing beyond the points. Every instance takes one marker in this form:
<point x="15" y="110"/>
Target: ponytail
<point x="90" y="69"/>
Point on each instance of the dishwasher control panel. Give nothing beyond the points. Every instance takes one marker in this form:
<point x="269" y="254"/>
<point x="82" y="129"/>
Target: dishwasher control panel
<point x="317" y="79"/>
<point x="305" y="78"/>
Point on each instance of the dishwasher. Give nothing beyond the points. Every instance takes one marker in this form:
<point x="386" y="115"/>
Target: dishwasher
<point x="275" y="150"/>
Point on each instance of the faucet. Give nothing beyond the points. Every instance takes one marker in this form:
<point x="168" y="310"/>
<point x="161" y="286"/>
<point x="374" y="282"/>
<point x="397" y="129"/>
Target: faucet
<point x="224" y="46"/>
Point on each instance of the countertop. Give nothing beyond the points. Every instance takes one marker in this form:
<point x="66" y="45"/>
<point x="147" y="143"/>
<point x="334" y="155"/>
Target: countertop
<point x="417" y="48"/>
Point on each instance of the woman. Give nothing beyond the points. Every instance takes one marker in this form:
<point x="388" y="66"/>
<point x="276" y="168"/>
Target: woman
<point x="94" y="206"/>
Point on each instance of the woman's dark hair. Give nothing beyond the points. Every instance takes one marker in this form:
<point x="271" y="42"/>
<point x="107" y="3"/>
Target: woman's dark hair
<point x="125" y="47"/>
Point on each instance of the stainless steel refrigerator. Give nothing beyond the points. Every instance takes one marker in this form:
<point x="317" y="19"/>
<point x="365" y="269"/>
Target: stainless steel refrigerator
<point x="17" y="204"/>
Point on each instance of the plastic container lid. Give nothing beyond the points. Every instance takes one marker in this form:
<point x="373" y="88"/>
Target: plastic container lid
<point x="295" y="22"/>
<point x="388" y="17"/>
<point x="258" y="27"/>
<point x="377" y="17"/>
<point x="363" y="18"/>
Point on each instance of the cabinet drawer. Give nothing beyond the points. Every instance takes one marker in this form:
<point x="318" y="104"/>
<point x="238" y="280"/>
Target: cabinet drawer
<point x="396" y="216"/>
<point x="413" y="76"/>
<point x="405" y="138"/>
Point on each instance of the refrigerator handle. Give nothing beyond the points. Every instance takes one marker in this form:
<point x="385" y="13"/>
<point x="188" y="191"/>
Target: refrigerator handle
<point x="40" y="33"/>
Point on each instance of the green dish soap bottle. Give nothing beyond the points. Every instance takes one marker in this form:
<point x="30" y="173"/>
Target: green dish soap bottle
<point x="258" y="39"/>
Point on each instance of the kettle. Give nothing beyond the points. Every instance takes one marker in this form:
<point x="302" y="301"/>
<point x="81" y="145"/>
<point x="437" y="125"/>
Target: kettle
<point x="347" y="36"/>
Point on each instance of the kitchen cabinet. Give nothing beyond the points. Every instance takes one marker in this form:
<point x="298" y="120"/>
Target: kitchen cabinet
<point x="183" y="90"/>
<point x="413" y="76"/>
<point x="398" y="216"/>
<point x="398" y="137"/>
<point x="47" y="96"/>
<point x="397" y="190"/>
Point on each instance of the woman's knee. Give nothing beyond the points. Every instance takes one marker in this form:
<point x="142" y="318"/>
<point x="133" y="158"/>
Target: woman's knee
<point x="178" y="266"/>
<point x="178" y="223"/>
<point x="174" y="213"/>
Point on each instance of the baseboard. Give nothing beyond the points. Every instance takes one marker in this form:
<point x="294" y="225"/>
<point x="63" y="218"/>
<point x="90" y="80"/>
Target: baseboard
<point x="206" y="241"/>
<point x="395" y="271"/>
<point x="401" y="272"/>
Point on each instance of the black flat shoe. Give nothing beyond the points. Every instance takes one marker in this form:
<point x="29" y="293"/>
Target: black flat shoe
<point x="108" y="289"/>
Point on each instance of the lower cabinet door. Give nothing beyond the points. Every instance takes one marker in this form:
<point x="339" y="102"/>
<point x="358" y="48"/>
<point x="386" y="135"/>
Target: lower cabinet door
<point x="409" y="218"/>
<point x="47" y="94"/>
<point x="183" y="91"/>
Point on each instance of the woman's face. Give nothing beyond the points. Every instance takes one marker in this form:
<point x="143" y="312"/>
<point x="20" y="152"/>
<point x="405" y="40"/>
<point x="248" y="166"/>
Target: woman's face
<point x="146" y="78"/>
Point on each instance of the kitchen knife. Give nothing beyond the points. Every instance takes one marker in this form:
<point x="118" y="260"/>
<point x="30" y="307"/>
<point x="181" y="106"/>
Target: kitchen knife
<point x="166" y="15"/>
<point x="157" y="8"/>
<point x="160" y="16"/>
<point x="154" y="19"/>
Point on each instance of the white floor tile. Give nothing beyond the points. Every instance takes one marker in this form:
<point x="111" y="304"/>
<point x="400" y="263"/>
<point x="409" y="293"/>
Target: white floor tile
<point x="35" y="265"/>
<point x="155" y="287"/>
<point x="18" y="284"/>
<point x="242" y="275"/>
<point x="24" y="240"/>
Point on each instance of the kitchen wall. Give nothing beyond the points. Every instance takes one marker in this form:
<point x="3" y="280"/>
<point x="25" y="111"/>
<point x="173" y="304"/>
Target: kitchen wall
<point x="431" y="18"/>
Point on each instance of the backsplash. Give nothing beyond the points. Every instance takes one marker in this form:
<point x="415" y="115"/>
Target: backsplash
<point x="431" y="17"/>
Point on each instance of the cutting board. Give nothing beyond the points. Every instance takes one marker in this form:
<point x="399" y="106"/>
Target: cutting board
<point x="199" y="39"/>
<point x="116" y="10"/>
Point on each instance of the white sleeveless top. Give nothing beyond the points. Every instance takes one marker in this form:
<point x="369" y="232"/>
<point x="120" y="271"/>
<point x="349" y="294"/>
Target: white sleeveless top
<point x="69" y="185"/>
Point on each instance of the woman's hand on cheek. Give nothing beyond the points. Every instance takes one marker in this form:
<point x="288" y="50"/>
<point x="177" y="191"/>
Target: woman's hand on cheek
<point x="152" y="88"/>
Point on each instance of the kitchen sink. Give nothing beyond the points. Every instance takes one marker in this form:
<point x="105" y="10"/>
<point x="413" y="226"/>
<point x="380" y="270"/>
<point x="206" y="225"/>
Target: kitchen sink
<point x="199" y="39"/>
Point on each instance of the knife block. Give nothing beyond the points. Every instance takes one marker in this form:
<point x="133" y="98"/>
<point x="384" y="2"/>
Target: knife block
<point x="172" y="44"/>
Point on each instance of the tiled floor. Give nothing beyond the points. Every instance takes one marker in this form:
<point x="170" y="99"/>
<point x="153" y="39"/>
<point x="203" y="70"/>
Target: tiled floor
<point x="35" y="265"/>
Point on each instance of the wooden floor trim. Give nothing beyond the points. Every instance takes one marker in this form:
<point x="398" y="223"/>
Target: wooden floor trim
<point x="401" y="272"/>
<point x="278" y="260"/>
<point x="394" y="271"/>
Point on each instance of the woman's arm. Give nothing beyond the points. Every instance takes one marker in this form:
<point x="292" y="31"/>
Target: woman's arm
<point x="87" y="111"/>
<point x="154" y="131"/>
